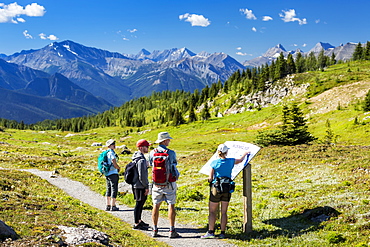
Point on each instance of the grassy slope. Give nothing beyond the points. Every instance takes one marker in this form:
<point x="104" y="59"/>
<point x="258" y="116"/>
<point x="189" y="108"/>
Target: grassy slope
<point x="287" y="181"/>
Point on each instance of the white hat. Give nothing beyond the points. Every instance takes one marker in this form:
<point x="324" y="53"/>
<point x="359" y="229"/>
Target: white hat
<point x="222" y="148"/>
<point x="163" y="136"/>
<point x="109" y="142"/>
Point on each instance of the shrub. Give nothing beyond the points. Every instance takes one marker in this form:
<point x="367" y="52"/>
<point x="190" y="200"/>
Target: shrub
<point x="335" y="238"/>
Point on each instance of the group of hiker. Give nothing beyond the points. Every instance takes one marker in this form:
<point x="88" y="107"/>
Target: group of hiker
<point x="163" y="162"/>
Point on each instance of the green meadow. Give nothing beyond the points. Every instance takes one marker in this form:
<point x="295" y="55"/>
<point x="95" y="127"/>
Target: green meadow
<point x="305" y="195"/>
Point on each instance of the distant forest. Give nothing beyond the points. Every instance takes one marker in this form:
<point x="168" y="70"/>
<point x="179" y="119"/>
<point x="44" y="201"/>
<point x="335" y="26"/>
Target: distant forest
<point x="179" y="107"/>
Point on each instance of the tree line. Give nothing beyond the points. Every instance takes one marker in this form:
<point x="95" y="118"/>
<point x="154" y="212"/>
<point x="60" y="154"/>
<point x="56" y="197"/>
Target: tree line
<point x="179" y="107"/>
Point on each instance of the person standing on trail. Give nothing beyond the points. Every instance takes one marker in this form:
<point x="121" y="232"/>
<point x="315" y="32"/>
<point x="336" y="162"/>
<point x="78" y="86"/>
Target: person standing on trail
<point x="140" y="188"/>
<point x="220" y="173"/>
<point x="112" y="177"/>
<point x="164" y="187"/>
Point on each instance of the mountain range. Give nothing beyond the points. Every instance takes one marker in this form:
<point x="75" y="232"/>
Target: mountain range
<point x="118" y="78"/>
<point x="76" y="80"/>
<point x="343" y="52"/>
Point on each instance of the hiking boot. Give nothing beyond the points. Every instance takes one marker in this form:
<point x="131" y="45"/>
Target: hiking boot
<point x="221" y="236"/>
<point x="114" y="208"/>
<point x="107" y="208"/>
<point x="144" y="224"/>
<point x="174" y="234"/>
<point x="140" y="227"/>
<point x="155" y="233"/>
<point x="208" y="235"/>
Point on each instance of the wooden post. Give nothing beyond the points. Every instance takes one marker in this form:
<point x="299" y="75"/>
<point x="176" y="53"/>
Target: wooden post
<point x="247" y="193"/>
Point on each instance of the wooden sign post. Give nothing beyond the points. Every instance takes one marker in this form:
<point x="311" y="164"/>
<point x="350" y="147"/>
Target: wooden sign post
<point x="247" y="194"/>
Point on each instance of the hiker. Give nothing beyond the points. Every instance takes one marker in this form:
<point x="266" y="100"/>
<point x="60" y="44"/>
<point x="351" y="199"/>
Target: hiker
<point x="112" y="177"/>
<point x="164" y="190"/>
<point x="220" y="168"/>
<point x="140" y="188"/>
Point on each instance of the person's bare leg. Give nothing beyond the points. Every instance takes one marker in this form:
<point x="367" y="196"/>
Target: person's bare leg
<point x="224" y="206"/>
<point x="155" y="213"/>
<point x="213" y="206"/>
<point x="171" y="214"/>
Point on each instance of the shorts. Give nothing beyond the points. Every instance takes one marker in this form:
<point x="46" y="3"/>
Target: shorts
<point x="218" y="197"/>
<point x="167" y="193"/>
<point x="139" y="194"/>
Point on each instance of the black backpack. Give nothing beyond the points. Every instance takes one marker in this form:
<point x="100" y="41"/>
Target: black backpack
<point x="130" y="172"/>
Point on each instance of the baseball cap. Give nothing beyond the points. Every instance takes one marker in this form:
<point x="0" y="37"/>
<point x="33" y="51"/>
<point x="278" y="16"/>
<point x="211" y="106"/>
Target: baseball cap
<point x="222" y="148"/>
<point x="142" y="143"/>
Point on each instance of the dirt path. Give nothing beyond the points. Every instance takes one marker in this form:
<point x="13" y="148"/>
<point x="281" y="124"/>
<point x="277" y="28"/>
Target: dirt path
<point x="190" y="235"/>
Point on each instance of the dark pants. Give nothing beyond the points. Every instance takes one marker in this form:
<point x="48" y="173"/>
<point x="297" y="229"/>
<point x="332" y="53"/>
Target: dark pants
<point x="140" y="197"/>
<point x="112" y="185"/>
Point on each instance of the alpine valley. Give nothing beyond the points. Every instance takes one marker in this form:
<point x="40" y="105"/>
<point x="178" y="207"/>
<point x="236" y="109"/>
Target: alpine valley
<point x="66" y="79"/>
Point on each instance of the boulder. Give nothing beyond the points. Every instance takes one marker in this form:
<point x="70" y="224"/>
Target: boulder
<point x="7" y="232"/>
<point x="81" y="235"/>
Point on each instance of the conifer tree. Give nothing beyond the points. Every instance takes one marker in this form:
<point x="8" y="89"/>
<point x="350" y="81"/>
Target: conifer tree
<point x="205" y="115"/>
<point x="192" y="116"/>
<point x="293" y="131"/>
<point x="299" y="62"/>
<point x="367" y="51"/>
<point x="366" y="106"/>
<point x="291" y="67"/>
<point x="357" y="54"/>
<point x="332" y="59"/>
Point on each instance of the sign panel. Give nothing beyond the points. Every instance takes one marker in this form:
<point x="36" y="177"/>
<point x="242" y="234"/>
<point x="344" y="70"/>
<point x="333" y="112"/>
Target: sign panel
<point x="237" y="149"/>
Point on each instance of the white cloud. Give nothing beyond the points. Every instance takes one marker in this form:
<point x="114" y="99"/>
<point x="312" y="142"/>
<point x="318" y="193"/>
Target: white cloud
<point x="304" y="45"/>
<point x="12" y="12"/>
<point x="267" y="18"/>
<point x="126" y="39"/>
<point x="317" y="21"/>
<point x="50" y="37"/>
<point x="132" y="30"/>
<point x="243" y="54"/>
<point x="290" y="16"/>
<point x="27" y="35"/>
<point x="248" y="14"/>
<point x="239" y="48"/>
<point x="195" y="20"/>
<point x="254" y="29"/>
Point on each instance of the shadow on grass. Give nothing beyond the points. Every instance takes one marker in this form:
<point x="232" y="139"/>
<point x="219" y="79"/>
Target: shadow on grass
<point x="294" y="225"/>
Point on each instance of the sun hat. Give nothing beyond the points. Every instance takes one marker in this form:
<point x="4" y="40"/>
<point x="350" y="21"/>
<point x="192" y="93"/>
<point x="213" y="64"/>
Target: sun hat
<point x="142" y="143"/>
<point x="110" y="142"/>
<point x="163" y="136"/>
<point x="222" y="148"/>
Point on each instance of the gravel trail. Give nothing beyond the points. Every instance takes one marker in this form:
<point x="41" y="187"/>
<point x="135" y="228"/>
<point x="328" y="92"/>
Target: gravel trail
<point x="190" y="236"/>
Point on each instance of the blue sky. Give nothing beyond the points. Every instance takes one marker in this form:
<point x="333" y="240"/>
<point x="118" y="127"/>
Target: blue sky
<point x="242" y="29"/>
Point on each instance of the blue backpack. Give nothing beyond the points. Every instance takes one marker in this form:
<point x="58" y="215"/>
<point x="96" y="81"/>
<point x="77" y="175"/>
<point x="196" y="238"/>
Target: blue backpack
<point x="103" y="165"/>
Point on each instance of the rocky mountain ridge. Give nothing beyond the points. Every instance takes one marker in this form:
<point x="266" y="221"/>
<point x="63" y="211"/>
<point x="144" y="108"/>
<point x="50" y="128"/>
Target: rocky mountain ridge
<point x="118" y="78"/>
<point x="342" y="52"/>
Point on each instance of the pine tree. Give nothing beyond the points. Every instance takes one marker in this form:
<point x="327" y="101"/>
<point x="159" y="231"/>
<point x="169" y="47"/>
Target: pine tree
<point x="299" y="62"/>
<point x="357" y="54"/>
<point x="321" y="60"/>
<point x="192" y="116"/>
<point x="291" y="67"/>
<point x="205" y="115"/>
<point x="366" y="106"/>
<point x="367" y="51"/>
<point x="293" y="131"/>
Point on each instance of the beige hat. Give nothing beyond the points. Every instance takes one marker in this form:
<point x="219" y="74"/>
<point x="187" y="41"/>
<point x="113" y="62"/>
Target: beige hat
<point x="163" y="136"/>
<point x="110" y="142"/>
<point x="222" y="148"/>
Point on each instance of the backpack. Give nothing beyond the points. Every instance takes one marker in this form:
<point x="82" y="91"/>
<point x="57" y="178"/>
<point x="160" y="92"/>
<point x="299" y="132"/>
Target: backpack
<point x="162" y="170"/>
<point x="103" y="165"/>
<point x="130" y="172"/>
<point x="224" y="185"/>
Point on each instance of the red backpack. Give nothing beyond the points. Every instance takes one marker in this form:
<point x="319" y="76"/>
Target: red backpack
<point x="161" y="168"/>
